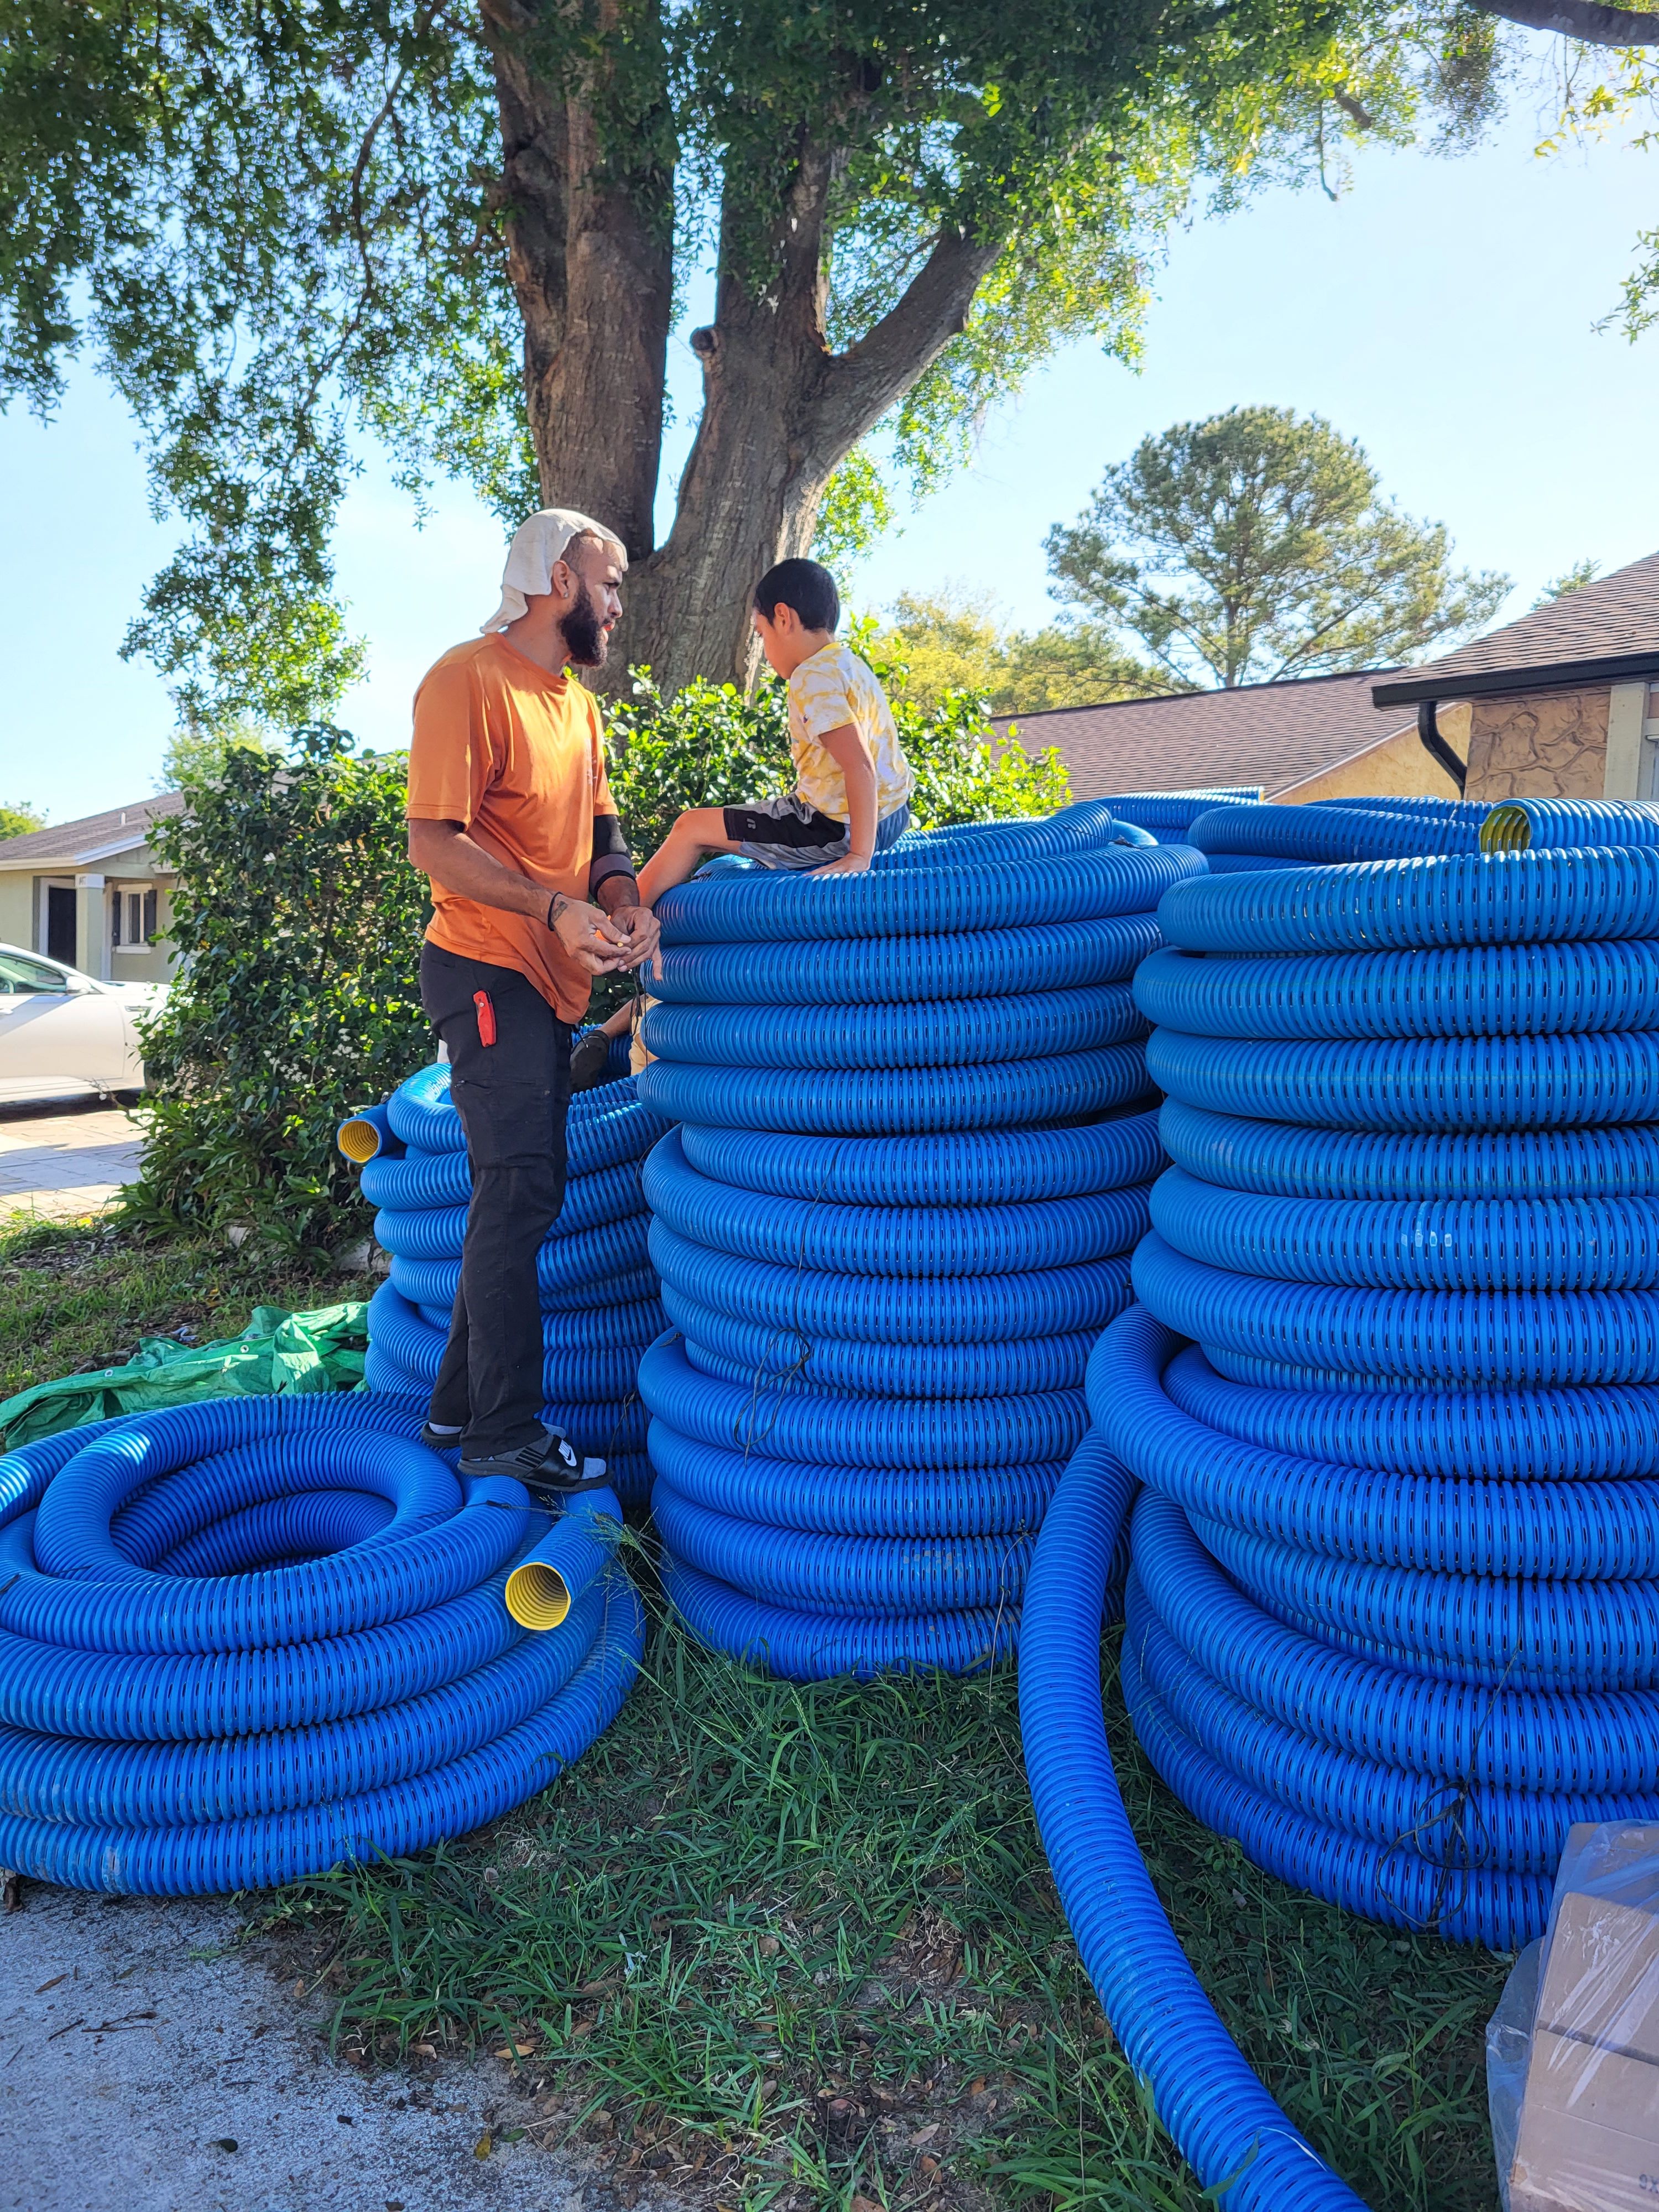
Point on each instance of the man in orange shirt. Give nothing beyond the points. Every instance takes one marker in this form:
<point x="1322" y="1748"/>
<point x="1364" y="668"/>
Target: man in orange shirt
<point x="533" y="894"/>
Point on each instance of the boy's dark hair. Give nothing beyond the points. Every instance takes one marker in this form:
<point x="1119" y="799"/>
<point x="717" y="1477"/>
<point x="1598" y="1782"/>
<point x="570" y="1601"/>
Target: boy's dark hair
<point x="804" y="585"/>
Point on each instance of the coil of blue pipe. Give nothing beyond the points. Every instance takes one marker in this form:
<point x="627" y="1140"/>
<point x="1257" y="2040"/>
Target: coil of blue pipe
<point x="1170" y="814"/>
<point x="250" y="1640"/>
<point x="597" y="1289"/>
<point x="1394" y="1607"/>
<point x="1391" y="1613"/>
<point x="1247" y="840"/>
<point x="914" y="1156"/>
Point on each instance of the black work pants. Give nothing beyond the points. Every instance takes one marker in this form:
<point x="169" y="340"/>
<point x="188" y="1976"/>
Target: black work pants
<point x="512" y="1096"/>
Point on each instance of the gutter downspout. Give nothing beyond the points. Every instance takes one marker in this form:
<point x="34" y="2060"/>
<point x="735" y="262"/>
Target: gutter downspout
<point x="1433" y="744"/>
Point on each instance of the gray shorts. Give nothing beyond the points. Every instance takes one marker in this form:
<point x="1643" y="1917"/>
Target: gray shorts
<point x="791" y="833"/>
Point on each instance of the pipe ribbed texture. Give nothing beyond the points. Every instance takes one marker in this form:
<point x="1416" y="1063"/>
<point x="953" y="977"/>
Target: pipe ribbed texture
<point x="1331" y="829"/>
<point x="1223" y="2120"/>
<point x="1392" y="1612"/>
<point x="246" y="1641"/>
<point x="1532" y="825"/>
<point x="1170" y="814"/>
<point x="915" y="1157"/>
<point x="1393" y="1385"/>
<point x="600" y="1305"/>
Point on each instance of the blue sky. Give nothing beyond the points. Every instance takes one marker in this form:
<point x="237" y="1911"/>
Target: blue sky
<point x="1443" y="312"/>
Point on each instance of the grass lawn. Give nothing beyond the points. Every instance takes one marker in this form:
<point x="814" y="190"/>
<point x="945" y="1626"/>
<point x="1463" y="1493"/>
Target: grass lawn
<point x="73" y="1299"/>
<point x="798" y="1947"/>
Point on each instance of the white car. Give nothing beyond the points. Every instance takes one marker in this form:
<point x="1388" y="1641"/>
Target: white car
<point x="62" y="1031"/>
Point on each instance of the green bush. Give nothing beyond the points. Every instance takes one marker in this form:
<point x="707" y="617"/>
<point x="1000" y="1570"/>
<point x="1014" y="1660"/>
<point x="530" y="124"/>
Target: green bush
<point x="300" y="920"/>
<point x="709" y="746"/>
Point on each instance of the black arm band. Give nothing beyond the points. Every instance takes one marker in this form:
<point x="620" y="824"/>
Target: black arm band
<point x="611" y="854"/>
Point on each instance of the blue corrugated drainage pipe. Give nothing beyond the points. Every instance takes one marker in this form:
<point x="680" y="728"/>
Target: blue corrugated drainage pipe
<point x="1522" y="825"/>
<point x="367" y="1134"/>
<point x="1242" y="2146"/>
<point x="1170" y="814"/>
<point x="1394" y="1638"/>
<point x="574" y="1554"/>
<point x="246" y="1641"/>
<point x="1331" y="831"/>
<point x="599" y="1292"/>
<point x="902" y="1200"/>
<point x="1394" y="1617"/>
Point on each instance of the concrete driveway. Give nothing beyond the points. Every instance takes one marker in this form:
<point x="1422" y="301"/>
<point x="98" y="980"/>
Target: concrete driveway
<point x="147" y="2065"/>
<point x="63" y="1159"/>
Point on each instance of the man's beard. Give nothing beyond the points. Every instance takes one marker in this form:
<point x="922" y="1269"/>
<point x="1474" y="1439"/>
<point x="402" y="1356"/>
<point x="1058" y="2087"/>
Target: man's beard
<point x="584" y="632"/>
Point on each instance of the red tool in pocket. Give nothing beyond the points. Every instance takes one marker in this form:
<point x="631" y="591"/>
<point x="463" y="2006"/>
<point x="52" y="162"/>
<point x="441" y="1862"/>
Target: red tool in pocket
<point x="486" y="1017"/>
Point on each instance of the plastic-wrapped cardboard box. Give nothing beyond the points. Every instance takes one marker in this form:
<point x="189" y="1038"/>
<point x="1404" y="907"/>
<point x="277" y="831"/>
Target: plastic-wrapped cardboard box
<point x="1589" y="2135"/>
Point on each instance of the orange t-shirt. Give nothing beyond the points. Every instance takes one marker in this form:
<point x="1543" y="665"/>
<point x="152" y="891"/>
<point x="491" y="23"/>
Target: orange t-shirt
<point x="513" y="754"/>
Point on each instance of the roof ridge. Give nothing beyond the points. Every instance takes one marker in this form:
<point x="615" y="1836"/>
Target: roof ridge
<point x="60" y="841"/>
<point x="1198" y="691"/>
<point x="1600" y="631"/>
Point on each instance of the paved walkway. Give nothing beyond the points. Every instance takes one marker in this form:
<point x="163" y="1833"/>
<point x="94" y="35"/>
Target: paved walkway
<point x="60" y="1162"/>
<point x="148" y="2065"/>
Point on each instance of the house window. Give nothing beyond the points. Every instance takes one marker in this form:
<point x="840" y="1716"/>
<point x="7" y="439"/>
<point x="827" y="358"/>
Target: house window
<point x="132" y="918"/>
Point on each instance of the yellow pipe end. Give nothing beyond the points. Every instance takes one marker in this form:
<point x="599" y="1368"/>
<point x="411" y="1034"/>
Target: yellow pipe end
<point x="1506" y="829"/>
<point x="359" y="1141"/>
<point x="537" y="1595"/>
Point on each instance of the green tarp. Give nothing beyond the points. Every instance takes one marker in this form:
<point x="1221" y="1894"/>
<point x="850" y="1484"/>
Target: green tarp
<point x="278" y="1351"/>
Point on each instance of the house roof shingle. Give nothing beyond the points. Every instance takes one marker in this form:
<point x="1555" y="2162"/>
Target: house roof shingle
<point x="95" y="836"/>
<point x="1603" y="631"/>
<point x="1273" y="734"/>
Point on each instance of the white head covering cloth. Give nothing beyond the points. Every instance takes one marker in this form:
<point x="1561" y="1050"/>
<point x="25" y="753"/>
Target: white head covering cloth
<point x="537" y="544"/>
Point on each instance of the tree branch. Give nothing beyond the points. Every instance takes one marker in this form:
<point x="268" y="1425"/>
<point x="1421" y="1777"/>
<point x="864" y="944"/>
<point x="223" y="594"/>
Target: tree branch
<point x="860" y="384"/>
<point x="1579" y="19"/>
<point x="418" y="30"/>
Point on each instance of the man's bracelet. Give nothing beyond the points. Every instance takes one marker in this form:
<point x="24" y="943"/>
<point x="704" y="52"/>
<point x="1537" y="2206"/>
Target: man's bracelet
<point x="556" y="906"/>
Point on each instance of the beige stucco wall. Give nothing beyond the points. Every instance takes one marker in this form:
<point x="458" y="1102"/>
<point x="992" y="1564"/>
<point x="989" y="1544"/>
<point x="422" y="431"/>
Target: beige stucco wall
<point x="23" y="920"/>
<point x="17" y="911"/>
<point x="1396" y="767"/>
<point x="1553" y="744"/>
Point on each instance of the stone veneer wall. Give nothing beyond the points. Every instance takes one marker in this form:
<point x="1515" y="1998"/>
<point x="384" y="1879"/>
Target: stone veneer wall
<point x="1553" y="744"/>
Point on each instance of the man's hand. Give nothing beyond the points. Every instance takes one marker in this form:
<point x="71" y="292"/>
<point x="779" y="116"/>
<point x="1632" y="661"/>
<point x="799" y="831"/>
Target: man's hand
<point x="644" y="933"/>
<point x="850" y="864"/>
<point x="591" y="937"/>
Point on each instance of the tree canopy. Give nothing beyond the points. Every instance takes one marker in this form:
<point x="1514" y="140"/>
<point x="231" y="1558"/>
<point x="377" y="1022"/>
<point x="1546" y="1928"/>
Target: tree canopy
<point x="1257" y="545"/>
<point x="18" y="821"/>
<point x="465" y="231"/>
<point x="948" y="641"/>
<point x="1570" y="579"/>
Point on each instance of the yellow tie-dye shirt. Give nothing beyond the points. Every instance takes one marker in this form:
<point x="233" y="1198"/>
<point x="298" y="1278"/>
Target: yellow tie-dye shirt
<point x="831" y="687"/>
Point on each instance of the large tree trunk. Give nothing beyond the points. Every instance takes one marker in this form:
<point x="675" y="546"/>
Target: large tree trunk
<point x="590" y="248"/>
<point x="781" y="413"/>
<point x="1580" y="19"/>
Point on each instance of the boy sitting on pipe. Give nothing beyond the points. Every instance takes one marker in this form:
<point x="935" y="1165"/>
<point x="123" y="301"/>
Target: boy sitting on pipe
<point x="853" y="783"/>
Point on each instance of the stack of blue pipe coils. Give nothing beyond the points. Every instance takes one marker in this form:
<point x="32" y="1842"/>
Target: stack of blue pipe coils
<point x="599" y="1292"/>
<point x="914" y="1156"/>
<point x="246" y="1641"/>
<point x="1393" y="1619"/>
<point x="1248" y="840"/>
